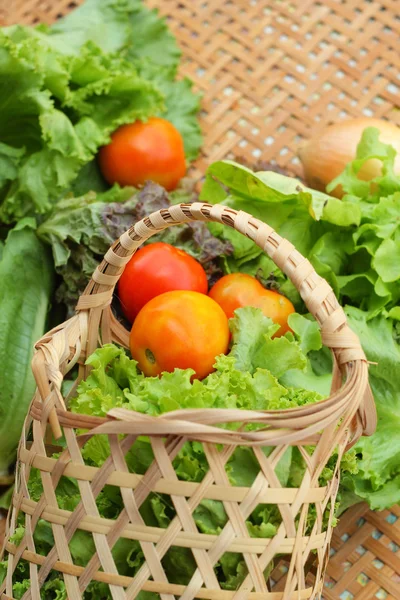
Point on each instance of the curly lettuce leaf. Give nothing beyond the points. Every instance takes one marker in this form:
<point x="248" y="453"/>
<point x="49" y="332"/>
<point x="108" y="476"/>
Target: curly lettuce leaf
<point x="378" y="478"/>
<point x="353" y="243"/>
<point x="254" y="348"/>
<point x="10" y="159"/>
<point x="317" y="375"/>
<point x="68" y="87"/>
<point x="379" y="233"/>
<point x="80" y="230"/>
<point x="115" y="380"/>
<point x="90" y="220"/>
<point x="142" y="37"/>
<point x="117" y="25"/>
<point x="60" y="111"/>
<point x="105" y="22"/>
<point x="369" y="148"/>
<point x="237" y="382"/>
<point x="182" y="106"/>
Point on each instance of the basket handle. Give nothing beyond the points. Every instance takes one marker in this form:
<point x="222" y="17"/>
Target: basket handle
<point x="317" y="294"/>
<point x="315" y="291"/>
<point x="93" y="307"/>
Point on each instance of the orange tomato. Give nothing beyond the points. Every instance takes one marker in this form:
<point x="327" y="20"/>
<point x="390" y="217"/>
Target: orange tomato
<point x="154" y="270"/>
<point x="140" y="152"/>
<point x="278" y="308"/>
<point x="179" y="329"/>
<point x="238" y="289"/>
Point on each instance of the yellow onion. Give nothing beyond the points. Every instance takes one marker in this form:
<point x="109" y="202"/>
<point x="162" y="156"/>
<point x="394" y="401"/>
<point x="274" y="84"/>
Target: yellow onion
<point x="325" y="156"/>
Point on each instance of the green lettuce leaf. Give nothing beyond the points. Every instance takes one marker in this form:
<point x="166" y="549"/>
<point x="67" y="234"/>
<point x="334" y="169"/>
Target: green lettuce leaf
<point x="60" y="111"/>
<point x="254" y="348"/>
<point x="81" y="229"/>
<point x="311" y="377"/>
<point x="115" y="25"/>
<point x="352" y="243"/>
<point x="142" y="37"/>
<point x="378" y="477"/>
<point x="105" y="22"/>
<point x="68" y="87"/>
<point x="369" y="147"/>
<point x="181" y="108"/>
<point x="90" y="220"/>
<point x="10" y="159"/>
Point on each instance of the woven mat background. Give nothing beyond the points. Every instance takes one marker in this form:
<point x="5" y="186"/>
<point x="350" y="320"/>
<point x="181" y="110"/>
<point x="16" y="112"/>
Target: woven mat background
<point x="273" y="73"/>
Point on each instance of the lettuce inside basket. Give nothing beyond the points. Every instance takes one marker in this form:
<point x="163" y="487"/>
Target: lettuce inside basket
<point x="155" y="487"/>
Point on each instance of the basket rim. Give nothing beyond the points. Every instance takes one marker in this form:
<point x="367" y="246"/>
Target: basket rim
<point x="350" y="392"/>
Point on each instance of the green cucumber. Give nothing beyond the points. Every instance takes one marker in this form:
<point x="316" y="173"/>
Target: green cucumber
<point x="26" y="283"/>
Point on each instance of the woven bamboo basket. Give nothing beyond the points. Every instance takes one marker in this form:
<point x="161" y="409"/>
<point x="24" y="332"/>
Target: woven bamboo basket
<point x="273" y="74"/>
<point x="330" y="425"/>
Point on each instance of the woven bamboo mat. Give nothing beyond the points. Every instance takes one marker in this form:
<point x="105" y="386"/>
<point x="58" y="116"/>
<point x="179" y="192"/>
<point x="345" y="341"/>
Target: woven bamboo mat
<point x="273" y="73"/>
<point x="365" y="556"/>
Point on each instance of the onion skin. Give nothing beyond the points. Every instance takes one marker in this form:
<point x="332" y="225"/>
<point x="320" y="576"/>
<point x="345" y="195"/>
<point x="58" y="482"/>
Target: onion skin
<point x="325" y="156"/>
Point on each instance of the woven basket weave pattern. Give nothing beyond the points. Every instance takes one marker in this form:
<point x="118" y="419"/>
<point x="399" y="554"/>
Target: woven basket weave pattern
<point x="341" y="417"/>
<point x="297" y="66"/>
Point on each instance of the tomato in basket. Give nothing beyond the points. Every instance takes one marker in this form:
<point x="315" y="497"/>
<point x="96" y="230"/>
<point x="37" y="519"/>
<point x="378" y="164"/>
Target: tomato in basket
<point x="239" y="289"/>
<point x="140" y="152"/>
<point x="179" y="329"/>
<point x="154" y="270"/>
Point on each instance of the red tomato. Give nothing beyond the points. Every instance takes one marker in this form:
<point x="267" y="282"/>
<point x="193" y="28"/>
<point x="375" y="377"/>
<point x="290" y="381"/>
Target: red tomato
<point x="238" y="289"/>
<point x="142" y="152"/>
<point x="184" y="330"/>
<point x="155" y="269"/>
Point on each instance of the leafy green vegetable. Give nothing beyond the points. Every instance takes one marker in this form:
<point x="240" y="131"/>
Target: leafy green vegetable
<point x="81" y="229"/>
<point x="68" y="87"/>
<point x="114" y="25"/>
<point x="354" y="244"/>
<point x="378" y="477"/>
<point x="96" y="93"/>
<point x="115" y="381"/>
<point x="144" y="39"/>
<point x="368" y="148"/>
<point x="253" y="347"/>
<point x="26" y="285"/>
<point x="83" y="220"/>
